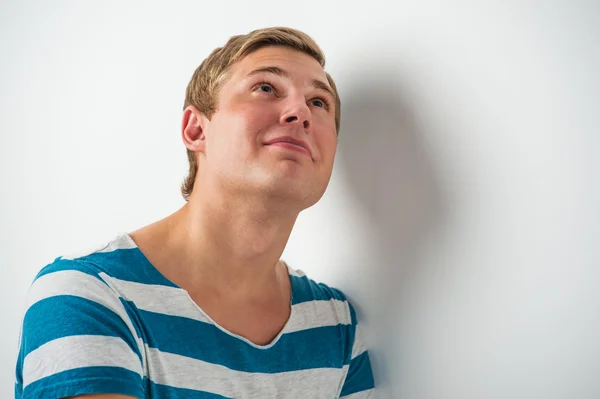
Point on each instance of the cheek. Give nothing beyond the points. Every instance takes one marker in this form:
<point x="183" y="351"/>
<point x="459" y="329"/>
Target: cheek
<point x="331" y="156"/>
<point x="327" y="141"/>
<point x="251" y="119"/>
<point x="237" y="133"/>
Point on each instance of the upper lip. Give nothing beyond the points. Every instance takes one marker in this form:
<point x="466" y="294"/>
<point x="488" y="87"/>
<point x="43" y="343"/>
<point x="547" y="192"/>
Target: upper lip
<point x="292" y="140"/>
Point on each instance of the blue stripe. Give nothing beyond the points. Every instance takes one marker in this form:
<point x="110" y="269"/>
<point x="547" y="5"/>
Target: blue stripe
<point x="129" y="264"/>
<point x="19" y="366"/>
<point x="306" y="349"/>
<point x="305" y="289"/>
<point x="123" y="264"/>
<point x="66" y="315"/>
<point x="168" y="392"/>
<point x="60" y="265"/>
<point x="360" y="375"/>
<point x="86" y="380"/>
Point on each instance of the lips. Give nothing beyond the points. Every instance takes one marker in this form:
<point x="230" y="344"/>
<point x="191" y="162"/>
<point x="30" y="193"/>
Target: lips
<point x="291" y="140"/>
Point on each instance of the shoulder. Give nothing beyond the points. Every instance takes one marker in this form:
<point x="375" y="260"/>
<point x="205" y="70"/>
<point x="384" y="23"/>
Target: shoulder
<point x="78" y="289"/>
<point x="75" y="326"/>
<point x="86" y="274"/>
<point x="118" y="258"/>
<point x="75" y="277"/>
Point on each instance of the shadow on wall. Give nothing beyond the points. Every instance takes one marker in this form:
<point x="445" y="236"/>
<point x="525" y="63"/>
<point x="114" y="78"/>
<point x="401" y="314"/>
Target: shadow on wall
<point x="385" y="160"/>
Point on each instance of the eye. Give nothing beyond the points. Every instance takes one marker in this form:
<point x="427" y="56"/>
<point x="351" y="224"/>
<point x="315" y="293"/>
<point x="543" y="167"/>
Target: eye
<point x="320" y="102"/>
<point x="264" y="87"/>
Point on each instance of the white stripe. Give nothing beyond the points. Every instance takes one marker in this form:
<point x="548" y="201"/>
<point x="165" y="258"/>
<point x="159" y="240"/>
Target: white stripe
<point x="294" y="272"/>
<point x="368" y="394"/>
<point x="76" y="283"/>
<point x="313" y="314"/>
<point x="184" y="372"/>
<point x="122" y="241"/>
<point x="359" y="346"/>
<point x="155" y="298"/>
<point x="79" y="284"/>
<point x="73" y="352"/>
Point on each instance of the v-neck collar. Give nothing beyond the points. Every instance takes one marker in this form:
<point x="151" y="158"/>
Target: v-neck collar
<point x="273" y="342"/>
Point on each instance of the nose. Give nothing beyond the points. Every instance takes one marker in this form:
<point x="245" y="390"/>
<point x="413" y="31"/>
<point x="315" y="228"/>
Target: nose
<point x="297" y="112"/>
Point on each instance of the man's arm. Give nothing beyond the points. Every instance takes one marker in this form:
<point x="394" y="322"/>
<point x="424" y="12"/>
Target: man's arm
<point x="359" y="382"/>
<point x="77" y="338"/>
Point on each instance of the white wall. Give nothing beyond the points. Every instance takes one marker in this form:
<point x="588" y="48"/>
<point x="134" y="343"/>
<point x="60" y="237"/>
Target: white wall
<point x="462" y="216"/>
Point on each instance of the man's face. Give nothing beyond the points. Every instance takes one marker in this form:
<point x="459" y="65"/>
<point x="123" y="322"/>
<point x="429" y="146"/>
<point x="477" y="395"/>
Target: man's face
<point x="273" y="96"/>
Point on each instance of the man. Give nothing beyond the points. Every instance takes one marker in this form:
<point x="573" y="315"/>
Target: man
<point x="199" y="304"/>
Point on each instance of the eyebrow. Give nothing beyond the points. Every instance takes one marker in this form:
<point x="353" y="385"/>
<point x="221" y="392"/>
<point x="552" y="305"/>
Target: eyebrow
<point x="316" y="83"/>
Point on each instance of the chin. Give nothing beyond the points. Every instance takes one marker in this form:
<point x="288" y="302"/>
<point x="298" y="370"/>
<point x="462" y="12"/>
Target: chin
<point x="301" y="196"/>
<point x="298" y="189"/>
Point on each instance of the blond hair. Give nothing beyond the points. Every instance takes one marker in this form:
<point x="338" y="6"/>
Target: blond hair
<point x="208" y="78"/>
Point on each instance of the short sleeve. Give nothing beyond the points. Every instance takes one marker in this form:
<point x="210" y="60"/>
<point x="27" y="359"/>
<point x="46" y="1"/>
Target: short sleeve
<point x="76" y="337"/>
<point x="359" y="382"/>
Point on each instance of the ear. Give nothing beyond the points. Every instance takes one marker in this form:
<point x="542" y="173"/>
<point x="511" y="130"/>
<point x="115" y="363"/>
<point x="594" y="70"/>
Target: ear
<point x="192" y="129"/>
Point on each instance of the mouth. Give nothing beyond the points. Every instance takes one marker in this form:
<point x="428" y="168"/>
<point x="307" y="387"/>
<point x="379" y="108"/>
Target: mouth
<point x="291" y="143"/>
<point x="290" y="146"/>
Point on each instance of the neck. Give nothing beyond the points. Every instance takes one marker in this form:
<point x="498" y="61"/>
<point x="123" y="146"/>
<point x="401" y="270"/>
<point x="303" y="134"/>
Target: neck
<point x="225" y="245"/>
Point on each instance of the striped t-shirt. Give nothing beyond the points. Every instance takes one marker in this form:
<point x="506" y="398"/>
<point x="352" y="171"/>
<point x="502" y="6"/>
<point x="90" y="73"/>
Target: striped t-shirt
<point x="110" y="322"/>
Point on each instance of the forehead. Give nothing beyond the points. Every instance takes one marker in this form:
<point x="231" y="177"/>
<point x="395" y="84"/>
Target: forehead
<point x="299" y="65"/>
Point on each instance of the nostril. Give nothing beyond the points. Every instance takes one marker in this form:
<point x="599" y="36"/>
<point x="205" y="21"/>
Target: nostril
<point x="291" y="119"/>
<point x="306" y="124"/>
